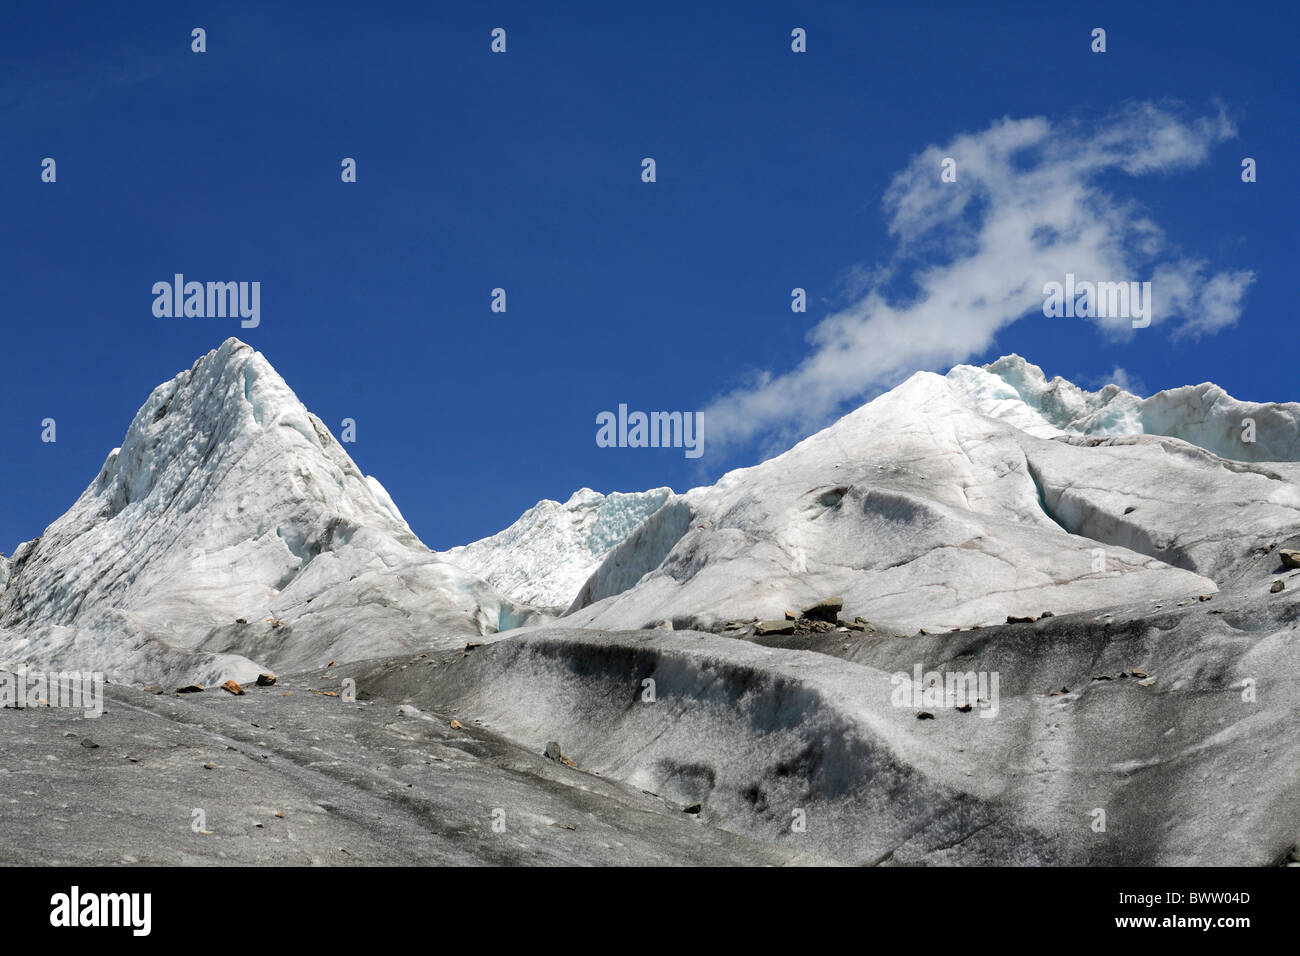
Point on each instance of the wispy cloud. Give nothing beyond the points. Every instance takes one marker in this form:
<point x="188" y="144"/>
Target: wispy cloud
<point x="1027" y="208"/>
<point x="1124" y="379"/>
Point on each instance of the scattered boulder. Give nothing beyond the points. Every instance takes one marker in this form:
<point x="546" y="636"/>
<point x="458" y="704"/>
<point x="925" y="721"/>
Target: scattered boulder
<point x="1206" y="597"/>
<point x="1047" y="614"/>
<point x="553" y="753"/>
<point x="1290" y="559"/>
<point x="827" y="609"/>
<point x="693" y="808"/>
<point x="1138" y="674"/>
<point x="233" y="688"/>
<point x="89" y="744"/>
<point x="1020" y="620"/>
<point x="190" y="689"/>
<point x="925" y="715"/>
<point x="821" y="618"/>
<point x="1277" y="586"/>
<point x="265" y="680"/>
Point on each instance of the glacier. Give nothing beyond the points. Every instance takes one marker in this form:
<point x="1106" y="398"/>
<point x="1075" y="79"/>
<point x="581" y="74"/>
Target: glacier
<point x="597" y="669"/>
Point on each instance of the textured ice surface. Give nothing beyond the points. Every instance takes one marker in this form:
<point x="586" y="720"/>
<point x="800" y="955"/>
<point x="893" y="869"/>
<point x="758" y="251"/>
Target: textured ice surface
<point x="1188" y="771"/>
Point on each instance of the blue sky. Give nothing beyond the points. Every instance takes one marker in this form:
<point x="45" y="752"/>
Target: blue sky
<point x="523" y="171"/>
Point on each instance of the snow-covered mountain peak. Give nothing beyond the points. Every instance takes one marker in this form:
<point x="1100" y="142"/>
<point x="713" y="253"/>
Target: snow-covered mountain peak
<point x="961" y="499"/>
<point x="228" y="501"/>
<point x="229" y="402"/>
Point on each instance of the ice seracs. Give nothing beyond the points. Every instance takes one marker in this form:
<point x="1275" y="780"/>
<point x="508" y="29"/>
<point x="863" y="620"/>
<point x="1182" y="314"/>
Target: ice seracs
<point x="1019" y="392"/>
<point x="545" y="557"/>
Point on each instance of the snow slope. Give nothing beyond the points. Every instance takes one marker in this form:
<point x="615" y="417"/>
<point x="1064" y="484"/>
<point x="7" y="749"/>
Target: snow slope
<point x="545" y="557"/>
<point x="229" y="502"/>
<point x="947" y="502"/>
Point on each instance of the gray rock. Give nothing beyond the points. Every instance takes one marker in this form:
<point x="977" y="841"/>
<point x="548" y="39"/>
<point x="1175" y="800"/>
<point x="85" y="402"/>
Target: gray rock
<point x="827" y="609"/>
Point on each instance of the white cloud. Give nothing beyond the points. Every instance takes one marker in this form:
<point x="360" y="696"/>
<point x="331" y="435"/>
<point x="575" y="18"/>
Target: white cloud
<point x="1026" y="209"/>
<point x="1122" y="378"/>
